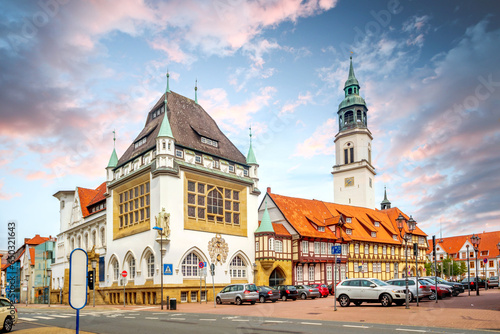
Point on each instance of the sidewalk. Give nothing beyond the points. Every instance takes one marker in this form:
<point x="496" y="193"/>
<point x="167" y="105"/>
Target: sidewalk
<point x="462" y="312"/>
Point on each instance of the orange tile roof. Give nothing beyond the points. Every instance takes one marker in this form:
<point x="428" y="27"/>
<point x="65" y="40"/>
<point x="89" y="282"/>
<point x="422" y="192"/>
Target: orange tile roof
<point x="37" y="240"/>
<point x="279" y="229"/>
<point x="32" y="256"/>
<point x="452" y="245"/>
<point x="302" y="213"/>
<point x="101" y="190"/>
<point x="393" y="214"/>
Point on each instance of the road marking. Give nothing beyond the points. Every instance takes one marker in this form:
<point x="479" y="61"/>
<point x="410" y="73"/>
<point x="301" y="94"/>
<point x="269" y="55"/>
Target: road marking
<point x="60" y="316"/>
<point x="412" y="330"/>
<point x="46" y="318"/>
<point x="152" y="318"/>
<point x="311" y="323"/>
<point x="241" y="320"/>
<point x="354" y="326"/>
<point x="175" y="314"/>
<point x="276" y="321"/>
<point x="208" y="319"/>
<point x="69" y="314"/>
<point x="230" y="317"/>
<point x="129" y="317"/>
<point x="27" y="319"/>
<point x="144" y="308"/>
<point x="161" y="313"/>
<point x="177" y="318"/>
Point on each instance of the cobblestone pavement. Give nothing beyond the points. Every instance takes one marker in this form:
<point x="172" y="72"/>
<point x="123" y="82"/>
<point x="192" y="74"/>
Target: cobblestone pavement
<point x="462" y="312"/>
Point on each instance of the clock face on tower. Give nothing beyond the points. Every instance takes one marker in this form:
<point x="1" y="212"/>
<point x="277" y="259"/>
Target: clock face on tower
<point x="349" y="182"/>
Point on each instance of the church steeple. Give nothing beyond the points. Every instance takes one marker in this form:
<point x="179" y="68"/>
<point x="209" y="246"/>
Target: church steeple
<point x="113" y="161"/>
<point x="352" y="110"/>
<point x="385" y="204"/>
<point x="265" y="224"/>
<point x="251" y="156"/>
<point x="351" y="82"/>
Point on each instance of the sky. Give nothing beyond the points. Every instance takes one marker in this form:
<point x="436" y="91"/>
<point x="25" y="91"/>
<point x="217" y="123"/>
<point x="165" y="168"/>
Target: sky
<point x="72" y="71"/>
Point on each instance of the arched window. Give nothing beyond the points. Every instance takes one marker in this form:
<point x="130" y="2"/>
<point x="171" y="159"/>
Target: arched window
<point x="358" y="116"/>
<point x="79" y="242"/>
<point x="190" y="265"/>
<point x="237" y="268"/>
<point x="103" y="237"/>
<point x="131" y="267"/>
<point x="86" y="241"/>
<point x="72" y="243"/>
<point x="94" y="239"/>
<point x="349" y="117"/>
<point x="164" y="145"/>
<point x="214" y="205"/>
<point x="271" y="244"/>
<point x="311" y="273"/>
<point x="151" y="265"/>
<point x="116" y="270"/>
<point x="364" y="118"/>
<point x="349" y="91"/>
<point x="340" y="122"/>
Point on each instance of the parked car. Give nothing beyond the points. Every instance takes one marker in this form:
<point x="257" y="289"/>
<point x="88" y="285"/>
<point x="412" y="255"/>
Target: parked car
<point x="457" y="288"/>
<point x="306" y="291"/>
<point x="473" y="281"/>
<point x="370" y="290"/>
<point x="8" y="315"/>
<point x="323" y="289"/>
<point x="238" y="294"/>
<point x="268" y="293"/>
<point x="424" y="289"/>
<point x="287" y="292"/>
<point x="492" y="281"/>
<point x="442" y="290"/>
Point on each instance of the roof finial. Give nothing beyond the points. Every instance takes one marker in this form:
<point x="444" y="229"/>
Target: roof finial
<point x="168" y="78"/>
<point x="251" y="156"/>
<point x="250" y="129"/>
<point x="114" y="138"/>
<point x="196" y="91"/>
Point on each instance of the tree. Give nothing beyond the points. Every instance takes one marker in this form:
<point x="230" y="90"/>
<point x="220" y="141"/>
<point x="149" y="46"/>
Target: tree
<point x="450" y="267"/>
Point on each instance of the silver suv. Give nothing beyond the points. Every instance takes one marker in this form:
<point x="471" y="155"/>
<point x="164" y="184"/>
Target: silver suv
<point x="238" y="293"/>
<point x="424" y="288"/>
<point x="370" y="290"/>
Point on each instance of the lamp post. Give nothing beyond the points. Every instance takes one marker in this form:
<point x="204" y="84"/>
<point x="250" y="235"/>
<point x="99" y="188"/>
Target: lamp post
<point x="411" y="224"/>
<point x="49" y="274"/>
<point x="160" y="231"/>
<point x="498" y="264"/>
<point x="475" y="243"/>
<point x="27" y="287"/>
<point x="468" y="268"/>
<point x="94" y="265"/>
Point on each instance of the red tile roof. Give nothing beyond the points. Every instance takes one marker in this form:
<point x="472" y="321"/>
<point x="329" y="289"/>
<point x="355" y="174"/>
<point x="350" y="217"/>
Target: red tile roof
<point x="32" y="256"/>
<point x="90" y="196"/>
<point x="37" y="240"/>
<point x="101" y="190"/>
<point x="452" y="245"/>
<point x="280" y="230"/>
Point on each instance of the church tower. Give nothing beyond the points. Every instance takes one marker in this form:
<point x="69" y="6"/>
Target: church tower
<point x="353" y="173"/>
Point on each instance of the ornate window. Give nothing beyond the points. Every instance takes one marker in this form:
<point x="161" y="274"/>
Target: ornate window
<point x="278" y="246"/>
<point x="116" y="270"/>
<point x="207" y="202"/>
<point x="237" y="268"/>
<point x="131" y="267"/>
<point x="311" y="273"/>
<point x="151" y="265"/>
<point x="190" y="265"/>
<point x="134" y="205"/>
<point x="300" y="276"/>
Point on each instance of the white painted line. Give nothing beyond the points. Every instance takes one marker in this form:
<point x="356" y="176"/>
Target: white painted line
<point x="177" y="318"/>
<point x="60" y="316"/>
<point x="230" y="317"/>
<point x="129" y="317"/>
<point x="144" y="308"/>
<point x="175" y="314"/>
<point x="412" y="330"/>
<point x="27" y="319"/>
<point x="208" y="319"/>
<point x="354" y="326"/>
<point x="161" y="313"/>
<point x="69" y="314"/>
<point x="46" y="318"/>
<point x="311" y="323"/>
<point x="152" y="318"/>
<point x="276" y="321"/>
<point x="245" y="320"/>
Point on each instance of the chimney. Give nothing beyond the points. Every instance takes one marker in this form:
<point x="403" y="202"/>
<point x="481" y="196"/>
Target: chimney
<point x="268" y="190"/>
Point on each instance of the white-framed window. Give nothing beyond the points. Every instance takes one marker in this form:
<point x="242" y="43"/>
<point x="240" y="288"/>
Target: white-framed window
<point x="329" y="249"/>
<point x="271" y="244"/>
<point x="190" y="265"/>
<point x="209" y="142"/>
<point x="238" y="268"/>
<point x="184" y="296"/>
<point x="245" y="172"/>
<point x="116" y="270"/>
<point x="305" y="246"/>
<point x="384" y="250"/>
<point x="317" y="249"/>
<point x="367" y="249"/>
<point x="257" y="246"/>
<point x="323" y="248"/>
<point x="216" y="164"/>
<point x="151" y="265"/>
<point x="348" y="231"/>
<point x="311" y="273"/>
<point x="328" y="273"/>
<point x="348" y="220"/>
<point x="278" y="246"/>
<point x="375" y="249"/>
<point x="300" y="276"/>
<point x="377" y="224"/>
<point x="374" y="234"/>
<point x="321" y="228"/>
<point x="345" y="249"/>
<point x="365" y="267"/>
<point x="393" y="250"/>
<point x="179" y="153"/>
<point x="203" y="296"/>
<point x="231" y="168"/>
<point x="131" y="267"/>
<point x="395" y="237"/>
<point x="387" y="267"/>
<point x="356" y="248"/>
<point x="356" y="267"/>
<point x="197" y="159"/>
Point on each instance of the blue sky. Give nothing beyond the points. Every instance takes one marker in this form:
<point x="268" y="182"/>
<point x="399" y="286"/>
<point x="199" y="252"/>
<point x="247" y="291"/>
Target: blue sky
<point x="72" y="71"/>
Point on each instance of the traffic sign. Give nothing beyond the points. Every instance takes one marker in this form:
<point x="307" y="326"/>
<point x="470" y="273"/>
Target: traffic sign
<point x="212" y="269"/>
<point x="485" y="260"/>
<point x="78" y="268"/>
<point x="167" y="269"/>
<point x="201" y="265"/>
<point x="336" y="249"/>
<point x="124" y="273"/>
<point x="203" y="271"/>
<point x="338" y="260"/>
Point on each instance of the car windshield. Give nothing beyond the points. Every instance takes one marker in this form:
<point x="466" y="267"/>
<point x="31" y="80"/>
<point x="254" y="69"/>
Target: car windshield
<point x="251" y="287"/>
<point x="379" y="282"/>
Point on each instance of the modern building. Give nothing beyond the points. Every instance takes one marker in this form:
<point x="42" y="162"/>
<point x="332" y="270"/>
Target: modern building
<point x="460" y="249"/>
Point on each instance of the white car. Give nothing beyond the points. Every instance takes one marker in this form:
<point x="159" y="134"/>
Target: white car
<point x="8" y="315"/>
<point x="370" y="290"/>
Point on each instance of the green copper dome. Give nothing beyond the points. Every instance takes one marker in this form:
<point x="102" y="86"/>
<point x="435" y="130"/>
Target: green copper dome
<point x="265" y="223"/>
<point x="113" y="160"/>
<point x="352" y="100"/>
<point x="165" y="129"/>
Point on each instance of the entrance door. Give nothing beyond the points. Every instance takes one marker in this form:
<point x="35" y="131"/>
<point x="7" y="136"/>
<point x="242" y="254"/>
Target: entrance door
<point x="277" y="277"/>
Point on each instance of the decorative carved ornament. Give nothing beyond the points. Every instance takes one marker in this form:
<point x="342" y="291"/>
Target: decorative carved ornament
<point x="218" y="249"/>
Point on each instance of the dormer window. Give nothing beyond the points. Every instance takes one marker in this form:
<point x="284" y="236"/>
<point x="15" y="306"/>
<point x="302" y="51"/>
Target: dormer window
<point x="321" y="228"/>
<point x="231" y="168"/>
<point x="348" y="220"/>
<point x="140" y="142"/>
<point x="395" y="237"/>
<point x="197" y="159"/>
<point x="210" y="142"/>
<point x="374" y="234"/>
<point x="348" y="231"/>
<point x="377" y="224"/>
<point x="158" y="112"/>
<point x="179" y="153"/>
<point x="245" y="172"/>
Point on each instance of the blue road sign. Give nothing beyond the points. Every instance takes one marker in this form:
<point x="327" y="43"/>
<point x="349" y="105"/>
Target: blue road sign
<point x="338" y="260"/>
<point x="167" y="269"/>
<point x="336" y="250"/>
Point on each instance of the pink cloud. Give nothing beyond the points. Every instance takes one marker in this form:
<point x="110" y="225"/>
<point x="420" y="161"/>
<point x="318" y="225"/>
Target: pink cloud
<point x="5" y="196"/>
<point x="320" y="143"/>
<point x="303" y="99"/>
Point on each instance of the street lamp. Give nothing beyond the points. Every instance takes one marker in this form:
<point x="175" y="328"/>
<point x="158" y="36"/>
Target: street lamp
<point x="49" y="274"/>
<point x="475" y="242"/>
<point x="160" y="231"/>
<point x="94" y="265"/>
<point x="411" y="224"/>
<point x="27" y="287"/>
<point x="468" y="268"/>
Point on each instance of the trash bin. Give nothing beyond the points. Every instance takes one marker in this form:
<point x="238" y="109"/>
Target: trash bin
<point x="173" y="304"/>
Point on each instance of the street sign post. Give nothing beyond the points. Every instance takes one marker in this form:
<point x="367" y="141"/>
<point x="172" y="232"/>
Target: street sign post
<point x="124" y="274"/>
<point x="212" y="272"/>
<point x="78" y="271"/>
<point x="336" y="249"/>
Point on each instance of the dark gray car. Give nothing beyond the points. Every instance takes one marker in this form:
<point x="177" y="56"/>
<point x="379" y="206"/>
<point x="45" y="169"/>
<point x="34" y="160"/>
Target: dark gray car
<point x="306" y="291"/>
<point x="424" y="289"/>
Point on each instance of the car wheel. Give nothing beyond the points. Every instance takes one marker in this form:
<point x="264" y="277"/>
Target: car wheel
<point x="386" y="300"/>
<point x="262" y="299"/>
<point x="274" y="301"/>
<point x="7" y="324"/>
<point x="410" y="296"/>
<point x="303" y="296"/>
<point x="218" y="300"/>
<point x="313" y="297"/>
<point x="344" y="300"/>
<point x="454" y="294"/>
<point x="253" y="303"/>
<point x="283" y="298"/>
<point x="432" y="296"/>
<point x="357" y="303"/>
<point x="238" y="301"/>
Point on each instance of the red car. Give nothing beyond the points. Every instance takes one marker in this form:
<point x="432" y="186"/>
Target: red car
<point x="323" y="289"/>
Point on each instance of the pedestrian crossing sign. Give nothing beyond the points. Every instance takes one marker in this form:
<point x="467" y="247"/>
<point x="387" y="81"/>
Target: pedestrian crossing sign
<point x="167" y="269"/>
